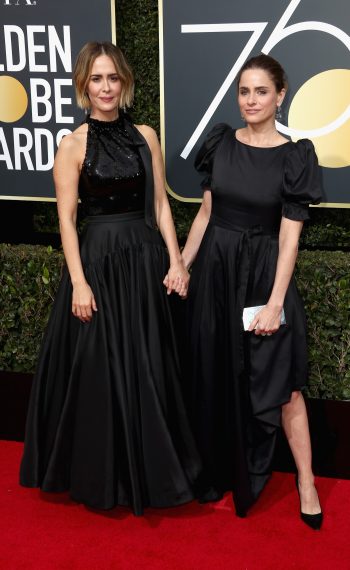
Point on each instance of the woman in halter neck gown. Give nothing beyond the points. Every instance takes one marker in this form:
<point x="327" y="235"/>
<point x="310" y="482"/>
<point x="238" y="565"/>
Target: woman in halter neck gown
<point x="106" y="420"/>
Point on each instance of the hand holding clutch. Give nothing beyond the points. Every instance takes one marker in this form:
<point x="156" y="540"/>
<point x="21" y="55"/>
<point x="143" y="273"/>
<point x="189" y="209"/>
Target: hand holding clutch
<point x="249" y="314"/>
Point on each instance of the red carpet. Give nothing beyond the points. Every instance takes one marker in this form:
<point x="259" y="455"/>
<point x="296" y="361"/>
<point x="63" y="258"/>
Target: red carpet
<point x="40" y="531"/>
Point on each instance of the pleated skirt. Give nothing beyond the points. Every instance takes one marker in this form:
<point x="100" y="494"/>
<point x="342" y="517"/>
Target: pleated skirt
<point x="106" y="419"/>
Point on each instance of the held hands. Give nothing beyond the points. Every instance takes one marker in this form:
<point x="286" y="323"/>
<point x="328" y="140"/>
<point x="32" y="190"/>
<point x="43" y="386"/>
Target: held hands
<point x="177" y="279"/>
<point x="267" y="321"/>
<point x="83" y="302"/>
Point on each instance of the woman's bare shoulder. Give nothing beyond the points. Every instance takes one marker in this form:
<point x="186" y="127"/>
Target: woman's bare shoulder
<point x="76" y="138"/>
<point x="74" y="144"/>
<point x="149" y="134"/>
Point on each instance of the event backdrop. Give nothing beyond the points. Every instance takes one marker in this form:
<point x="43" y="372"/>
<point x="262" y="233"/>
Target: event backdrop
<point x="204" y="43"/>
<point x="39" y="40"/>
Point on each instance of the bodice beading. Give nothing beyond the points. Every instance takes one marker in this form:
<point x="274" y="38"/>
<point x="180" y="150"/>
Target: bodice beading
<point x="112" y="178"/>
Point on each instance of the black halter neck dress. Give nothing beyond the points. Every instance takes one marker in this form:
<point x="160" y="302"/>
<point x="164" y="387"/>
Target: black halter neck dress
<point x="106" y="420"/>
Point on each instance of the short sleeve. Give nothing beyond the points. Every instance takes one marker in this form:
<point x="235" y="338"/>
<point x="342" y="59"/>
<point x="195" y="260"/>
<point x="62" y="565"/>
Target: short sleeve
<point x="205" y="156"/>
<point x="301" y="184"/>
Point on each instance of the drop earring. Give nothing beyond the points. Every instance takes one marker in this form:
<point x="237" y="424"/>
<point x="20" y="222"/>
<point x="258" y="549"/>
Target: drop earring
<point x="278" y="113"/>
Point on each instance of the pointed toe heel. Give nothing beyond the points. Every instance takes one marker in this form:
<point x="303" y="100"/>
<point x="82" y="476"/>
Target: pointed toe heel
<point x="312" y="521"/>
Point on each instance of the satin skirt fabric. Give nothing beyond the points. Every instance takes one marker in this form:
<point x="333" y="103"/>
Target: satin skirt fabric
<point x="238" y="381"/>
<point x="106" y="420"/>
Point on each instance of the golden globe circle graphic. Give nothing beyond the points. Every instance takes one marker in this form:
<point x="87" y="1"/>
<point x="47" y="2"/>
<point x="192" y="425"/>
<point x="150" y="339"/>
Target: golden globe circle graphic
<point x="319" y="102"/>
<point x="13" y="99"/>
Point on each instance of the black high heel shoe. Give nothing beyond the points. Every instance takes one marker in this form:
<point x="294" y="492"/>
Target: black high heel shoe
<point x="313" y="521"/>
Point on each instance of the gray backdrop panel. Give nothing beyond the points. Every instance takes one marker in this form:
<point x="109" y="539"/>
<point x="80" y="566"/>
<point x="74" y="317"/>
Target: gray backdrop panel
<point x="195" y="65"/>
<point x="88" y="20"/>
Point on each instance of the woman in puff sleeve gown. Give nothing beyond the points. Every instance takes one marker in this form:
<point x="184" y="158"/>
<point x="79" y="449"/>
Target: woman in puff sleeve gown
<point x="243" y="247"/>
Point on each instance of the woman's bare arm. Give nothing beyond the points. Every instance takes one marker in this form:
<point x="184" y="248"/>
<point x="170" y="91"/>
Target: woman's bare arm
<point x="268" y="320"/>
<point x="177" y="277"/>
<point x="66" y="177"/>
<point x="197" y="230"/>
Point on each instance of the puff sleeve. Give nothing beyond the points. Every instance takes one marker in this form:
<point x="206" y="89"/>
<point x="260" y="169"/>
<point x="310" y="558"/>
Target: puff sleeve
<point x="205" y="156"/>
<point x="301" y="181"/>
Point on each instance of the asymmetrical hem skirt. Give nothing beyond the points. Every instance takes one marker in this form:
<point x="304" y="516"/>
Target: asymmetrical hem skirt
<point x="238" y="380"/>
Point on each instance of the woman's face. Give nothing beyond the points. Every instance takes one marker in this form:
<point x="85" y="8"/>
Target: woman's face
<point x="104" y="87"/>
<point x="257" y="97"/>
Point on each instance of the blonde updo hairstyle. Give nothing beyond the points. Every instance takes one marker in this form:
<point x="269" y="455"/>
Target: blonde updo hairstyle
<point x="83" y="66"/>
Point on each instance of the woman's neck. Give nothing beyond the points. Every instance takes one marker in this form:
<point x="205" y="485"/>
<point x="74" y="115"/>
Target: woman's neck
<point x="104" y="116"/>
<point x="261" y="135"/>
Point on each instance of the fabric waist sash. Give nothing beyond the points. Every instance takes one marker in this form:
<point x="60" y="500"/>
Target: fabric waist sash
<point x="244" y="259"/>
<point x="243" y="222"/>
<point x="116" y="218"/>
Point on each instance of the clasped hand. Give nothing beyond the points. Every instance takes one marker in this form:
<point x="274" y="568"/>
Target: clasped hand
<point x="83" y="302"/>
<point x="177" y="279"/>
<point x="267" y="321"/>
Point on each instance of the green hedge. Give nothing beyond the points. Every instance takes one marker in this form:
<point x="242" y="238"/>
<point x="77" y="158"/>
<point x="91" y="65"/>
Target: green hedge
<point x="28" y="282"/>
<point x="324" y="283"/>
<point x="30" y="275"/>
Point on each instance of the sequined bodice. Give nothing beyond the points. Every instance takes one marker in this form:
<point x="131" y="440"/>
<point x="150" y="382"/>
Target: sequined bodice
<point x="112" y="178"/>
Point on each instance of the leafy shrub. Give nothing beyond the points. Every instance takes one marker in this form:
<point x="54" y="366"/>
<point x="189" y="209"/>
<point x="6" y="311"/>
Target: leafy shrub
<point x="326" y="235"/>
<point x="324" y="283"/>
<point x="28" y="282"/>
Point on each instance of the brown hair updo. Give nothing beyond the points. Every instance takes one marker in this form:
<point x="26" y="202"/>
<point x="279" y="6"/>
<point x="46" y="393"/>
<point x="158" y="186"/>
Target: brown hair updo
<point x="272" y="67"/>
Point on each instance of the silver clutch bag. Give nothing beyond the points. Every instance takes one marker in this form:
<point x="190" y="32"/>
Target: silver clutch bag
<point x="249" y="314"/>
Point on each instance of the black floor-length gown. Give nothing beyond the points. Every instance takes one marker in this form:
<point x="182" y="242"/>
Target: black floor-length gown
<point x="239" y="380"/>
<point x="106" y="419"/>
